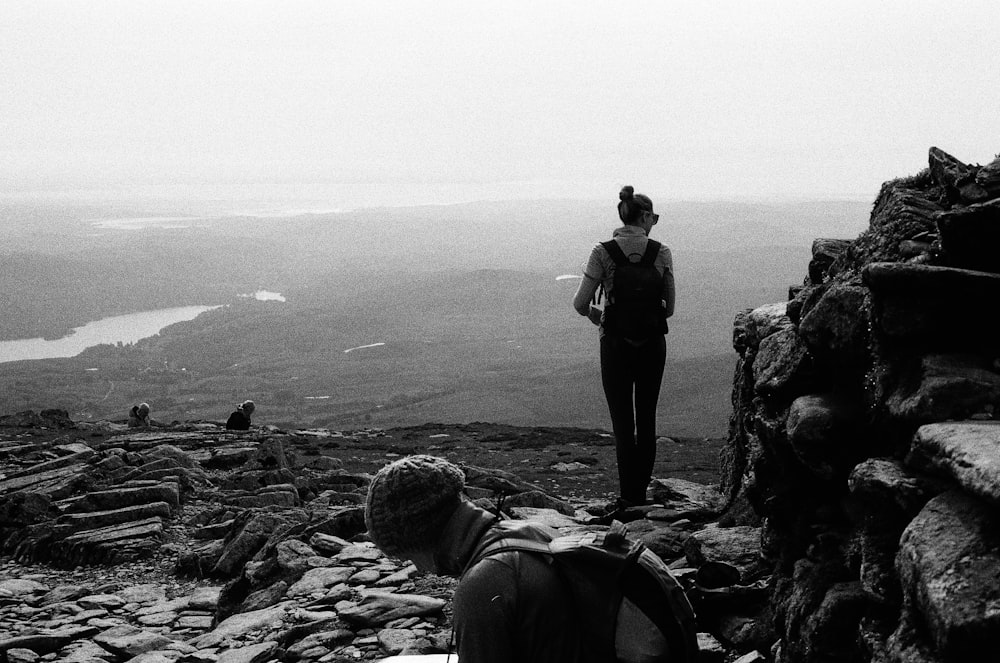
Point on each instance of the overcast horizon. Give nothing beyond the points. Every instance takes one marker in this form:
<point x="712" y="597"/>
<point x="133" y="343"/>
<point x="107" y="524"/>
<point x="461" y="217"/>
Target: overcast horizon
<point x="344" y="102"/>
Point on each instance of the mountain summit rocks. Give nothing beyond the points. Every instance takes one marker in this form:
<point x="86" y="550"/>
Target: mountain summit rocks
<point x="191" y="544"/>
<point x="871" y="460"/>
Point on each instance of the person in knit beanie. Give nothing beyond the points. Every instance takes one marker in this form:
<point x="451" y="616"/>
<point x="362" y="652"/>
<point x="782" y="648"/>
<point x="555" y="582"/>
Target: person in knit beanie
<point x="410" y="501"/>
<point x="508" y="607"/>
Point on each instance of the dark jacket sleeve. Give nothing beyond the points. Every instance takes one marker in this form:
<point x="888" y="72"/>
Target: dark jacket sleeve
<point x="237" y="421"/>
<point x="485" y="614"/>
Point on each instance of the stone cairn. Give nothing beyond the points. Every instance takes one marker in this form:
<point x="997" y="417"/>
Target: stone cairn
<point x="864" y="436"/>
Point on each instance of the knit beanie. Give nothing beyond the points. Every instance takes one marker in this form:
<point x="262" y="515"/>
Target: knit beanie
<point x="409" y="502"/>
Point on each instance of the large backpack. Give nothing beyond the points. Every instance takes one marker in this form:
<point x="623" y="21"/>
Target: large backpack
<point x="628" y="602"/>
<point x="636" y="309"/>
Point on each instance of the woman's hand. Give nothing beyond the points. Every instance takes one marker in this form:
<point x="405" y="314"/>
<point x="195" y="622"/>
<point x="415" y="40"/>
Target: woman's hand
<point x="595" y="315"/>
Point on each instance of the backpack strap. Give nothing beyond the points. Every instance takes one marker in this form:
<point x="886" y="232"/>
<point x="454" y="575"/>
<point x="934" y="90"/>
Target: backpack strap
<point x="652" y="251"/>
<point x="615" y="251"/>
<point x="507" y="545"/>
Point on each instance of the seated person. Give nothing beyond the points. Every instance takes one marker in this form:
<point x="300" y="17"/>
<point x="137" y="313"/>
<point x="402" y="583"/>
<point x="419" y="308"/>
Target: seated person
<point x="240" y="418"/>
<point x="138" y="416"/>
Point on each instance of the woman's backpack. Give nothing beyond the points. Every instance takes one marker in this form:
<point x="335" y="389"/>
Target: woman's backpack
<point x="636" y="307"/>
<point x="627" y="600"/>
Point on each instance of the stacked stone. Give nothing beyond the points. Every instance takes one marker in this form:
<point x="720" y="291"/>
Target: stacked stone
<point x="863" y="433"/>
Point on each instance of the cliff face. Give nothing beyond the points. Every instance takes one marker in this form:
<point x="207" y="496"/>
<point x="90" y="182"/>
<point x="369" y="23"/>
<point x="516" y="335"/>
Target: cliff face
<point x="864" y="433"/>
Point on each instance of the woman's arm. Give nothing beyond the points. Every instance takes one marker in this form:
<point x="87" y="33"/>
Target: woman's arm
<point x="584" y="294"/>
<point x="593" y="271"/>
<point x="669" y="293"/>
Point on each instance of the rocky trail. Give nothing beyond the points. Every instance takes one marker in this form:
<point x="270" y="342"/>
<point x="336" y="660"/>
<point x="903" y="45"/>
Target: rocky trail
<point x="193" y="544"/>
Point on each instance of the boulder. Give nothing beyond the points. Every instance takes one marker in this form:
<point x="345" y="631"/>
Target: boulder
<point x="327" y="544"/>
<point x="887" y="493"/>
<point x="539" y="500"/>
<point x="665" y="540"/>
<point x="967" y="452"/>
<point x="21" y="588"/>
<point x="63" y="593"/>
<point x="933" y="307"/>
<point x="782" y="366"/>
<point x="836" y="327"/>
<point x="264" y="598"/>
<point x="85" y="651"/>
<point x="949" y="567"/>
<point x="47" y="641"/>
<point x="50" y="418"/>
<point x="293" y="555"/>
<point x="803" y="300"/>
<point x="824" y="431"/>
<point x="761" y="322"/>
<point x="737" y="546"/>
<point x="988" y="177"/>
<point x="273" y="454"/>
<point x="239" y="624"/>
<point x="901" y="211"/>
<point x="970" y="236"/>
<point x="944" y="386"/>
<point x="395" y="640"/>
<point x="957" y="178"/>
<point x="817" y="613"/>
<point x="145" y="593"/>
<point x="255" y="653"/>
<point x="317" y="580"/>
<point x="74" y="522"/>
<point x="379" y="607"/>
<point x="20" y="509"/>
<point x="323" y="639"/>
<point x="547" y="517"/>
<point x="686" y="499"/>
<point x="128" y="641"/>
<point x="824" y="253"/>
<point x="244" y="544"/>
<point x="118" y="498"/>
<point x="830" y="631"/>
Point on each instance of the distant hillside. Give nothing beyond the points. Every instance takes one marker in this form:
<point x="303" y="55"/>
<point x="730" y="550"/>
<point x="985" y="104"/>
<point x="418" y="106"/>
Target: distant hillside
<point x="463" y="300"/>
<point x="64" y="271"/>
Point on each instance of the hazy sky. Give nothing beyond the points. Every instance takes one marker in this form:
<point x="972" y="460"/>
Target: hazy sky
<point x="693" y="99"/>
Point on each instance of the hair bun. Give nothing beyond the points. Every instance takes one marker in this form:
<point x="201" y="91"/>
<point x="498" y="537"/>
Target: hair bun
<point x="626" y="192"/>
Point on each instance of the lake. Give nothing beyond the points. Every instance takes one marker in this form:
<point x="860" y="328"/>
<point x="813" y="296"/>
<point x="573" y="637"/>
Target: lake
<point x="120" y="328"/>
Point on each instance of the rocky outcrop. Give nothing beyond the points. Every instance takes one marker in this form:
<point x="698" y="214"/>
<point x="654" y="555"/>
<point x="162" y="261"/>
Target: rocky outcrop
<point x="263" y="538"/>
<point x="863" y="436"/>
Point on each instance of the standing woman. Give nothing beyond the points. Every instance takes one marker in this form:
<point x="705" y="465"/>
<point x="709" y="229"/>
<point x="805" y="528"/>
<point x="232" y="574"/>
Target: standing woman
<point x="638" y="279"/>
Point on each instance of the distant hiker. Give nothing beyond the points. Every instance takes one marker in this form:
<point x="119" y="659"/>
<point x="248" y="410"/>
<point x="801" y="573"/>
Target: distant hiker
<point x="637" y="277"/>
<point x="138" y="416"/>
<point x="240" y="418"/>
<point x="510" y="607"/>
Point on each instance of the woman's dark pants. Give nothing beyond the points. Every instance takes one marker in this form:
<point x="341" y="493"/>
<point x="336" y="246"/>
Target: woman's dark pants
<point x="631" y="376"/>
